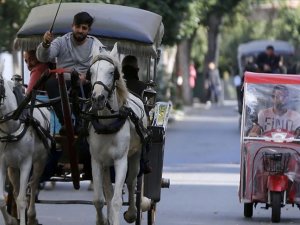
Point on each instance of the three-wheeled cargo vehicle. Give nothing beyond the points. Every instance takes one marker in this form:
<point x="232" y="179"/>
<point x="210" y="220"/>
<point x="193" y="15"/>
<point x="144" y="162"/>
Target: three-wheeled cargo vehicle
<point x="270" y="150"/>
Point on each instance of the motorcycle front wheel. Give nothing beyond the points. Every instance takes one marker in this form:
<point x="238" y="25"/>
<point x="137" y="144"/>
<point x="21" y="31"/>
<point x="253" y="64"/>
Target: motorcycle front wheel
<point x="248" y="210"/>
<point x="276" y="206"/>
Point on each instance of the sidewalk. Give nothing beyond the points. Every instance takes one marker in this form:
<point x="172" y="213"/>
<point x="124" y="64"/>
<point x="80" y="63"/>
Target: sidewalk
<point x="228" y="108"/>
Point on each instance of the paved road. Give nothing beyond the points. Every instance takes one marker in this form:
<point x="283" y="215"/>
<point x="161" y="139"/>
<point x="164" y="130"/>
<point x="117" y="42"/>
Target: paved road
<point x="202" y="161"/>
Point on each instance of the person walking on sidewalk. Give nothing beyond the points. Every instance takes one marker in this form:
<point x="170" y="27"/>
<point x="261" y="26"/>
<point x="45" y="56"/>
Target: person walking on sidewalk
<point x="214" y="83"/>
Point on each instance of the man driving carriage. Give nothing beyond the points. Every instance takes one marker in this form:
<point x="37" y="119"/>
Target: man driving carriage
<point x="73" y="51"/>
<point x="278" y="116"/>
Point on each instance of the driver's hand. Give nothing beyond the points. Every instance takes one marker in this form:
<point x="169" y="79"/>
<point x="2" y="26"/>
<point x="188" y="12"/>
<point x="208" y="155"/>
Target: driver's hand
<point x="253" y="134"/>
<point x="297" y="133"/>
<point x="255" y="131"/>
<point x="267" y="67"/>
<point x="48" y="37"/>
<point x="82" y="78"/>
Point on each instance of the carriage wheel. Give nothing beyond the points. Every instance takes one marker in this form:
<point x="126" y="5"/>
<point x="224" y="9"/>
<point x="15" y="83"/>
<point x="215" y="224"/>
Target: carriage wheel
<point x="248" y="210"/>
<point x="138" y="200"/>
<point x="151" y="214"/>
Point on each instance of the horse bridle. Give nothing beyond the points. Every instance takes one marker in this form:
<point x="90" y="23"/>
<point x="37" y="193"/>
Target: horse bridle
<point x="116" y="74"/>
<point x="2" y="91"/>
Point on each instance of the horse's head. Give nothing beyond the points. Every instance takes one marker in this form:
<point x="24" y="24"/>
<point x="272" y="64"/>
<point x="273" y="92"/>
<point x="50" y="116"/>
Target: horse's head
<point x="105" y="79"/>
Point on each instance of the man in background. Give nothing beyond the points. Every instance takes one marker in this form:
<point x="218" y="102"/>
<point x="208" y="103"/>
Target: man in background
<point x="268" y="61"/>
<point x="130" y="70"/>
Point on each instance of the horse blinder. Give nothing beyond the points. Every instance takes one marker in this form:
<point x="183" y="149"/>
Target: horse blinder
<point x="2" y="91"/>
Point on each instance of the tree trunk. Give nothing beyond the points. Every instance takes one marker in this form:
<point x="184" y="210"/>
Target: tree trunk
<point x="213" y="31"/>
<point x="183" y="62"/>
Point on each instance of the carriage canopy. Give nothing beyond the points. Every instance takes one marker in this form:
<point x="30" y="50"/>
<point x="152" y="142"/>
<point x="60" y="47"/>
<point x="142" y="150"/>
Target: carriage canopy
<point x="137" y="31"/>
<point x="248" y="51"/>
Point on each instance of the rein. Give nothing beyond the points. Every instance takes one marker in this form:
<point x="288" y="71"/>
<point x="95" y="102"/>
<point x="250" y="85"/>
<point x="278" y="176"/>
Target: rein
<point x="116" y="73"/>
<point x="15" y="136"/>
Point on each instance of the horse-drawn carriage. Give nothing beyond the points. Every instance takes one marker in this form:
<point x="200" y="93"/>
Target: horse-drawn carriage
<point x="123" y="30"/>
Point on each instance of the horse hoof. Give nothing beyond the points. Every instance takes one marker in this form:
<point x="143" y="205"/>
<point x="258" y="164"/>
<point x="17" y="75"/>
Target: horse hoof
<point x="13" y="221"/>
<point x="145" y="204"/>
<point x="129" y="218"/>
<point x="33" y="222"/>
<point x="103" y="222"/>
<point x="91" y="186"/>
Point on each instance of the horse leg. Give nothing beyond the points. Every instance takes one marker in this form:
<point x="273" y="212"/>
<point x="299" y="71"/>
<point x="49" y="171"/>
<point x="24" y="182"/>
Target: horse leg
<point x="99" y="200"/>
<point x="14" y="177"/>
<point x="24" y="177"/>
<point x="38" y="169"/>
<point x="133" y="170"/>
<point x="116" y="203"/>
<point x="107" y="188"/>
<point x="8" y="219"/>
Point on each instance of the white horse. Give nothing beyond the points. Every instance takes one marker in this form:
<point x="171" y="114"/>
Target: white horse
<point x="122" y="148"/>
<point x="20" y="157"/>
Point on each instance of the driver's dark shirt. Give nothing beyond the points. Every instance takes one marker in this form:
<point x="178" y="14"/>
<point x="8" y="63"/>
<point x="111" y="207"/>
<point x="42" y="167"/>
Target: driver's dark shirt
<point x="272" y="61"/>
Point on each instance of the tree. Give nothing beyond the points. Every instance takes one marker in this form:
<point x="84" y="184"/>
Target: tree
<point x="209" y="15"/>
<point x="254" y="21"/>
<point x="12" y="15"/>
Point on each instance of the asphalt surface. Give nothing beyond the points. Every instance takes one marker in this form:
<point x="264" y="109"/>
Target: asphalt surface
<point x="201" y="159"/>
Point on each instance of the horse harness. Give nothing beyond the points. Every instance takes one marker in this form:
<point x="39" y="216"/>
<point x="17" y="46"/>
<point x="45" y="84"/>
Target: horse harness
<point x="124" y="113"/>
<point x="120" y="118"/>
<point x="116" y="73"/>
<point x="26" y="120"/>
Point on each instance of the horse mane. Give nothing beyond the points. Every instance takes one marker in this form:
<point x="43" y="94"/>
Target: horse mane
<point x="10" y="84"/>
<point x="122" y="92"/>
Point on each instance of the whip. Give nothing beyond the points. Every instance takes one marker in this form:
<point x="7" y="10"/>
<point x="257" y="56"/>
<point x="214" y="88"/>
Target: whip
<point x="51" y="28"/>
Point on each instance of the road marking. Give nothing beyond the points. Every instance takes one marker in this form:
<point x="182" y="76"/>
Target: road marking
<point x="198" y="178"/>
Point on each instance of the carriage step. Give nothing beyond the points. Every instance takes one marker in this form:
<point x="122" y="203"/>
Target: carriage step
<point x="59" y="138"/>
<point x="69" y="202"/>
<point x="65" y="202"/>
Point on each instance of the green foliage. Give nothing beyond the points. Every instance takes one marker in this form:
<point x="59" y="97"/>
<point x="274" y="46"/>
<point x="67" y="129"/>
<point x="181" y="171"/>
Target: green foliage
<point x="289" y="22"/>
<point x="179" y="17"/>
<point x="199" y="47"/>
<point x="11" y="19"/>
<point x="174" y="14"/>
<point x="244" y="27"/>
<point x="204" y="10"/>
